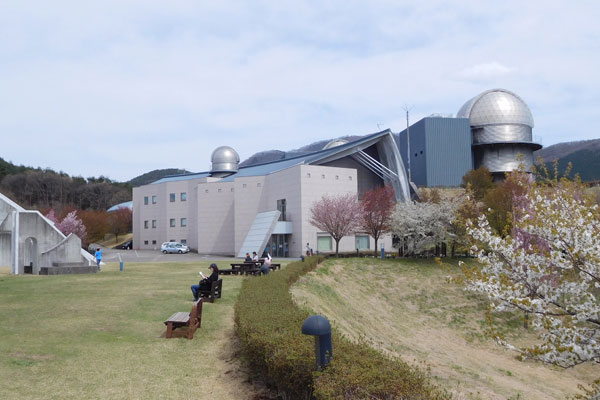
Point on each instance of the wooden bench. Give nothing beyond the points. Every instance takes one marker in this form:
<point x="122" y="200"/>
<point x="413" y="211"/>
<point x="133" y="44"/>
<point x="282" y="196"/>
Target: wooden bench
<point x="214" y="293"/>
<point x="191" y="321"/>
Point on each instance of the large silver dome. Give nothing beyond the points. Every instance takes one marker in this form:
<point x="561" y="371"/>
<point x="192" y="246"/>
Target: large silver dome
<point x="225" y="160"/>
<point x="496" y="106"/>
<point x="501" y="125"/>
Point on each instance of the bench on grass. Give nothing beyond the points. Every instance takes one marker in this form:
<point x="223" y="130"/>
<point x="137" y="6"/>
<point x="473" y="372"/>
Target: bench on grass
<point x="191" y="321"/>
<point x="214" y="293"/>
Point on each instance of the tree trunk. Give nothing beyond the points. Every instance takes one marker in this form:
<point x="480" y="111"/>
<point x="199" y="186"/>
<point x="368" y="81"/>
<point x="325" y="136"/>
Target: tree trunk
<point x="337" y="245"/>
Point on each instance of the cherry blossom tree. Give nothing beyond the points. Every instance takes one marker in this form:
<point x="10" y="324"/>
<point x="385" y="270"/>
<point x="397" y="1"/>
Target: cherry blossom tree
<point x="71" y="223"/>
<point x="423" y="225"/>
<point x="377" y="208"/>
<point x="548" y="268"/>
<point x="337" y="215"/>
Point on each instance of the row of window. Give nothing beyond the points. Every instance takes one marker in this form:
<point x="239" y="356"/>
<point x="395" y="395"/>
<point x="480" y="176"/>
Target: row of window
<point x="325" y="243"/>
<point x="337" y="177"/>
<point x="172" y="223"/>
<point x="182" y="241"/>
<point x="182" y="197"/>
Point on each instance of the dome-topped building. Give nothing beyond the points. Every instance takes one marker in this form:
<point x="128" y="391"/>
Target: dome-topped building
<point x="501" y="125"/>
<point x="225" y="161"/>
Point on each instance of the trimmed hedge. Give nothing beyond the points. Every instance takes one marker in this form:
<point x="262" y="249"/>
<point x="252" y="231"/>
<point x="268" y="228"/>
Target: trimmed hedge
<point x="269" y="323"/>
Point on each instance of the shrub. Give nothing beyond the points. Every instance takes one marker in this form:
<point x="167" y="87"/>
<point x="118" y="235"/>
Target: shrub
<point x="269" y="323"/>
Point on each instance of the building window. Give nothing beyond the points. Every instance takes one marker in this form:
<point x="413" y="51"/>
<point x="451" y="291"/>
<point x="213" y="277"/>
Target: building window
<point x="362" y="242"/>
<point x="323" y="176"/>
<point x="205" y="190"/>
<point x="145" y="200"/>
<point x="308" y="174"/>
<point x="172" y="197"/>
<point x="172" y="222"/>
<point x="337" y="177"/>
<point x="153" y="199"/>
<point x="183" y="222"/>
<point x="281" y="206"/>
<point x="154" y="242"/>
<point x="258" y="184"/>
<point x="244" y="185"/>
<point x="324" y="243"/>
<point x="145" y="242"/>
<point x="153" y="223"/>
<point x="183" y="241"/>
<point x="145" y="224"/>
<point x="219" y="190"/>
<point x="183" y="196"/>
<point x="350" y="178"/>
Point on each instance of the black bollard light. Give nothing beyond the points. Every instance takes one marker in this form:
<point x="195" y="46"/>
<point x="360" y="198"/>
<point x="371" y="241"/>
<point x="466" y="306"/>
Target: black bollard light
<point x="319" y="327"/>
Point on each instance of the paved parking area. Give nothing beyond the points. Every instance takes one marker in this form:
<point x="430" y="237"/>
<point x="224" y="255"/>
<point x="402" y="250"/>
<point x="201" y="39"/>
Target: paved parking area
<point x="112" y="255"/>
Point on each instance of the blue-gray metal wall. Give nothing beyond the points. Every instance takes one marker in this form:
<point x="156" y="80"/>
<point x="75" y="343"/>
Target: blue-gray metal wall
<point x="440" y="151"/>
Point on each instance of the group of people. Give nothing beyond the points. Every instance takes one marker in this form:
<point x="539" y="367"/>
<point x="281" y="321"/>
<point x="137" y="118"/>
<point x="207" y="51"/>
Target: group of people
<point x="265" y="267"/>
<point x="206" y="282"/>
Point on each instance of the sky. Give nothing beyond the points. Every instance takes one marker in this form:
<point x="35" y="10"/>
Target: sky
<point x="118" y="88"/>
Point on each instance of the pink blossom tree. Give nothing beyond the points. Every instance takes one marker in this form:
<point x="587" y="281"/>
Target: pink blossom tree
<point x="71" y="223"/>
<point x="337" y="215"/>
<point x="377" y="208"/>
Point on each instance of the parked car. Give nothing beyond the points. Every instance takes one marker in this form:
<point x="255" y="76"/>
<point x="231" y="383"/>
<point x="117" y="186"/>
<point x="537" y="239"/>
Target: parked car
<point x="128" y="245"/>
<point x="174" y="247"/>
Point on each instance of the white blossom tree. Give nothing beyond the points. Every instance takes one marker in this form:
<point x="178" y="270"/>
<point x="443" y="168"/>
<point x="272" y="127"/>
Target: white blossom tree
<point x="548" y="268"/>
<point x="423" y="224"/>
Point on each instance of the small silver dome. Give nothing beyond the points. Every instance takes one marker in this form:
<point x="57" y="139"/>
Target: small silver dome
<point x="225" y="160"/>
<point x="496" y="106"/>
<point x="335" y="143"/>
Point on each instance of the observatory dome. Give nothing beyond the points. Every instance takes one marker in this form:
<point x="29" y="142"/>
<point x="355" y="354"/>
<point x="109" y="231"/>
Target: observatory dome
<point x="225" y="160"/>
<point x="335" y="143"/>
<point x="496" y="106"/>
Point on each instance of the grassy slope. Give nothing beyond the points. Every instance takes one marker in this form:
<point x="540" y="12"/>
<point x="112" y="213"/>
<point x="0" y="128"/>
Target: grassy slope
<point x="406" y="308"/>
<point x="99" y="336"/>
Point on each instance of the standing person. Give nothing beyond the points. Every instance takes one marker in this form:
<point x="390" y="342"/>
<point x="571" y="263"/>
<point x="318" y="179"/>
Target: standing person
<point x="307" y="249"/>
<point x="205" y="284"/>
<point x="98" y="255"/>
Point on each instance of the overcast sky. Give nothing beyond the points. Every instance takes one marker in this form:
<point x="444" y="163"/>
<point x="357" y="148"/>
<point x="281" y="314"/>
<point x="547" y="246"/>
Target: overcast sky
<point x="119" y="88"/>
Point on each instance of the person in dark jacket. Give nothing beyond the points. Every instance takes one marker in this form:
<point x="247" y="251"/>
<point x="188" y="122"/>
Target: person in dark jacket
<point x="206" y="283"/>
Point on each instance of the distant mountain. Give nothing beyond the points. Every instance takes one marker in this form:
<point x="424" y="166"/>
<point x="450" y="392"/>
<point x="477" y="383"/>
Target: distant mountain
<point x="155" y="175"/>
<point x="583" y="155"/>
<point x="276" y="155"/>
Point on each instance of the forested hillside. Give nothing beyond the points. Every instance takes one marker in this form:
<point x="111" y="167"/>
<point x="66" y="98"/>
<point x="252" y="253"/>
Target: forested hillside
<point x="155" y="175"/>
<point x="38" y="188"/>
<point x="583" y="155"/>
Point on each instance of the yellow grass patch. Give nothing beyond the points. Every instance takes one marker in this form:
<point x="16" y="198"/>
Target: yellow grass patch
<point x="407" y="309"/>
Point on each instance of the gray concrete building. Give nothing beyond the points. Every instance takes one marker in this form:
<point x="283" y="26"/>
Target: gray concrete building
<point x="30" y="243"/>
<point x="231" y="210"/>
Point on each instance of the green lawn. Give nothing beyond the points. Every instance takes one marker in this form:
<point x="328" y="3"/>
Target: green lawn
<point x="99" y="336"/>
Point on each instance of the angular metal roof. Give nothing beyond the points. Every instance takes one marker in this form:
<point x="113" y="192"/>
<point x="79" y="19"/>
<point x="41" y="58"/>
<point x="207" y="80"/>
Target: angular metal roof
<point x="317" y="158"/>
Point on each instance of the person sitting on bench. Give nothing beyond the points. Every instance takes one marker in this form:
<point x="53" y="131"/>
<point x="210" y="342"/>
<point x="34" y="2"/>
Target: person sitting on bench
<point x="266" y="267"/>
<point x="248" y="258"/>
<point x="206" y="283"/>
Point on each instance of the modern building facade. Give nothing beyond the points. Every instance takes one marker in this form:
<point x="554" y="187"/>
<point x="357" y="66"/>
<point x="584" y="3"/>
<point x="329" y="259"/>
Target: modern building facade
<point x="493" y="129"/>
<point x="230" y="211"/>
<point x="440" y="151"/>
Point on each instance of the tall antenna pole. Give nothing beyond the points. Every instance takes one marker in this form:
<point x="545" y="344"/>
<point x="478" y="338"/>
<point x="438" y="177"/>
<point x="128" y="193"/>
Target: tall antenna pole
<point x="407" y="109"/>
